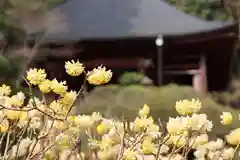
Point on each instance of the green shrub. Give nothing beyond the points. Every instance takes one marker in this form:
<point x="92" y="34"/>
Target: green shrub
<point x="4" y="65"/>
<point x="119" y="101"/>
<point x="231" y="97"/>
<point x="129" y="78"/>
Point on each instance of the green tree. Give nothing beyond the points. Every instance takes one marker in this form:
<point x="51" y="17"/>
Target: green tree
<point x="19" y="19"/>
<point x="205" y="9"/>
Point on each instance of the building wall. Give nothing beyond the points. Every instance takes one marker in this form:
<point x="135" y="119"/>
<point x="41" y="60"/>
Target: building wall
<point x="124" y="55"/>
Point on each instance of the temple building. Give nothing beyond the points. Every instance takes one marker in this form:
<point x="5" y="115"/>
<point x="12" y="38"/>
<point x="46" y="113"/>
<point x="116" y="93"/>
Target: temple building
<point x="119" y="34"/>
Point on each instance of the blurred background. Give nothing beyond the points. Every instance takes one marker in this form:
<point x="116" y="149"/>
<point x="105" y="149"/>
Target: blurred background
<point x="160" y="51"/>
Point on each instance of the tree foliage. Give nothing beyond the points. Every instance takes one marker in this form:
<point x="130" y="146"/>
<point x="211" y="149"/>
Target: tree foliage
<point x="19" y="19"/>
<point x="17" y="15"/>
<point x="205" y="9"/>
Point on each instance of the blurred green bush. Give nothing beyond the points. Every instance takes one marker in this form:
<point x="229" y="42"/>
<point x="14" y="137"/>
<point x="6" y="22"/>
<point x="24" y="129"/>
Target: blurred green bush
<point x="124" y="101"/>
<point x="4" y="65"/>
<point x="230" y="97"/>
<point x="129" y="78"/>
<point x="9" y="69"/>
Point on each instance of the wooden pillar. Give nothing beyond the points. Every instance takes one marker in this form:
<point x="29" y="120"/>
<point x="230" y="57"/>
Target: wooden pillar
<point x="159" y="43"/>
<point x="200" y="77"/>
<point x="159" y="66"/>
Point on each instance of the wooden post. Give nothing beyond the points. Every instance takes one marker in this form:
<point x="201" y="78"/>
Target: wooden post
<point x="159" y="43"/>
<point x="200" y="77"/>
<point x="203" y="74"/>
<point x="159" y="66"/>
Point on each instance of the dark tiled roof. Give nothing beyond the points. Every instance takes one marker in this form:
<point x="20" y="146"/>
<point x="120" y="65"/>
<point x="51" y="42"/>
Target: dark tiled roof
<point x="90" y="19"/>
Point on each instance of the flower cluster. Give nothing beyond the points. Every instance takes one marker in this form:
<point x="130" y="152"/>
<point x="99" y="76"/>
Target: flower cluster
<point x="33" y="128"/>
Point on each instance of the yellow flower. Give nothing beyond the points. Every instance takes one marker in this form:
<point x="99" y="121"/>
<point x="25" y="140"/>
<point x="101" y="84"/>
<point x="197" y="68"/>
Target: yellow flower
<point x="107" y="154"/>
<point x="71" y="119"/>
<point x="96" y="116"/>
<point x="200" y="123"/>
<point x="58" y="108"/>
<point x="5" y="90"/>
<point x="233" y="137"/>
<point x="153" y="128"/>
<point x="104" y="127"/>
<point x="100" y="129"/>
<point x="59" y="87"/>
<point x="74" y="68"/>
<point x="13" y="115"/>
<point x="23" y="120"/>
<point x="130" y="155"/>
<point x="144" y="111"/>
<point x="197" y="141"/>
<point x="178" y="125"/>
<point x="65" y="141"/>
<point x="84" y="122"/>
<point x="69" y="98"/>
<point x="187" y="107"/>
<point x="115" y="135"/>
<point x="215" y="145"/>
<point x="106" y="142"/>
<point x="45" y="86"/>
<point x="36" y="76"/>
<point x="99" y="76"/>
<point x="60" y="125"/>
<point x="142" y="123"/>
<point x="228" y="153"/>
<point x="226" y="118"/>
<point x="4" y="125"/>
<point x="178" y="140"/>
<point x="147" y="147"/>
<point x="17" y="100"/>
<point x="50" y="153"/>
<point x="35" y="102"/>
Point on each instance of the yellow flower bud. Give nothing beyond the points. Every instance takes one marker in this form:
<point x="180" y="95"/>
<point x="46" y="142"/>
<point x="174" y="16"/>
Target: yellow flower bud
<point x="36" y="76"/>
<point x="17" y="100"/>
<point x="226" y="118"/>
<point x="59" y="87"/>
<point x="5" y="90"/>
<point x="130" y="155"/>
<point x="187" y="107"/>
<point x="74" y="68"/>
<point x="45" y="86"/>
<point x="233" y="137"/>
<point x="99" y="76"/>
<point x="144" y="111"/>
<point x="13" y="115"/>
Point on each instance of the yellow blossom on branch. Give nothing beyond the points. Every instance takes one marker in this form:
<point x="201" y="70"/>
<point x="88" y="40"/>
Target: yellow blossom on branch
<point x="148" y="147"/>
<point x="144" y="111"/>
<point x="226" y="118"/>
<point x="36" y="76"/>
<point x="45" y="86"/>
<point x="59" y="87"/>
<point x="17" y="100"/>
<point x="69" y="98"/>
<point x="74" y="68"/>
<point x="233" y="137"/>
<point x="58" y="108"/>
<point x="99" y="76"/>
<point x="130" y="155"/>
<point x="186" y="107"/>
<point x="104" y="127"/>
<point x="5" y="90"/>
<point x="13" y="115"/>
